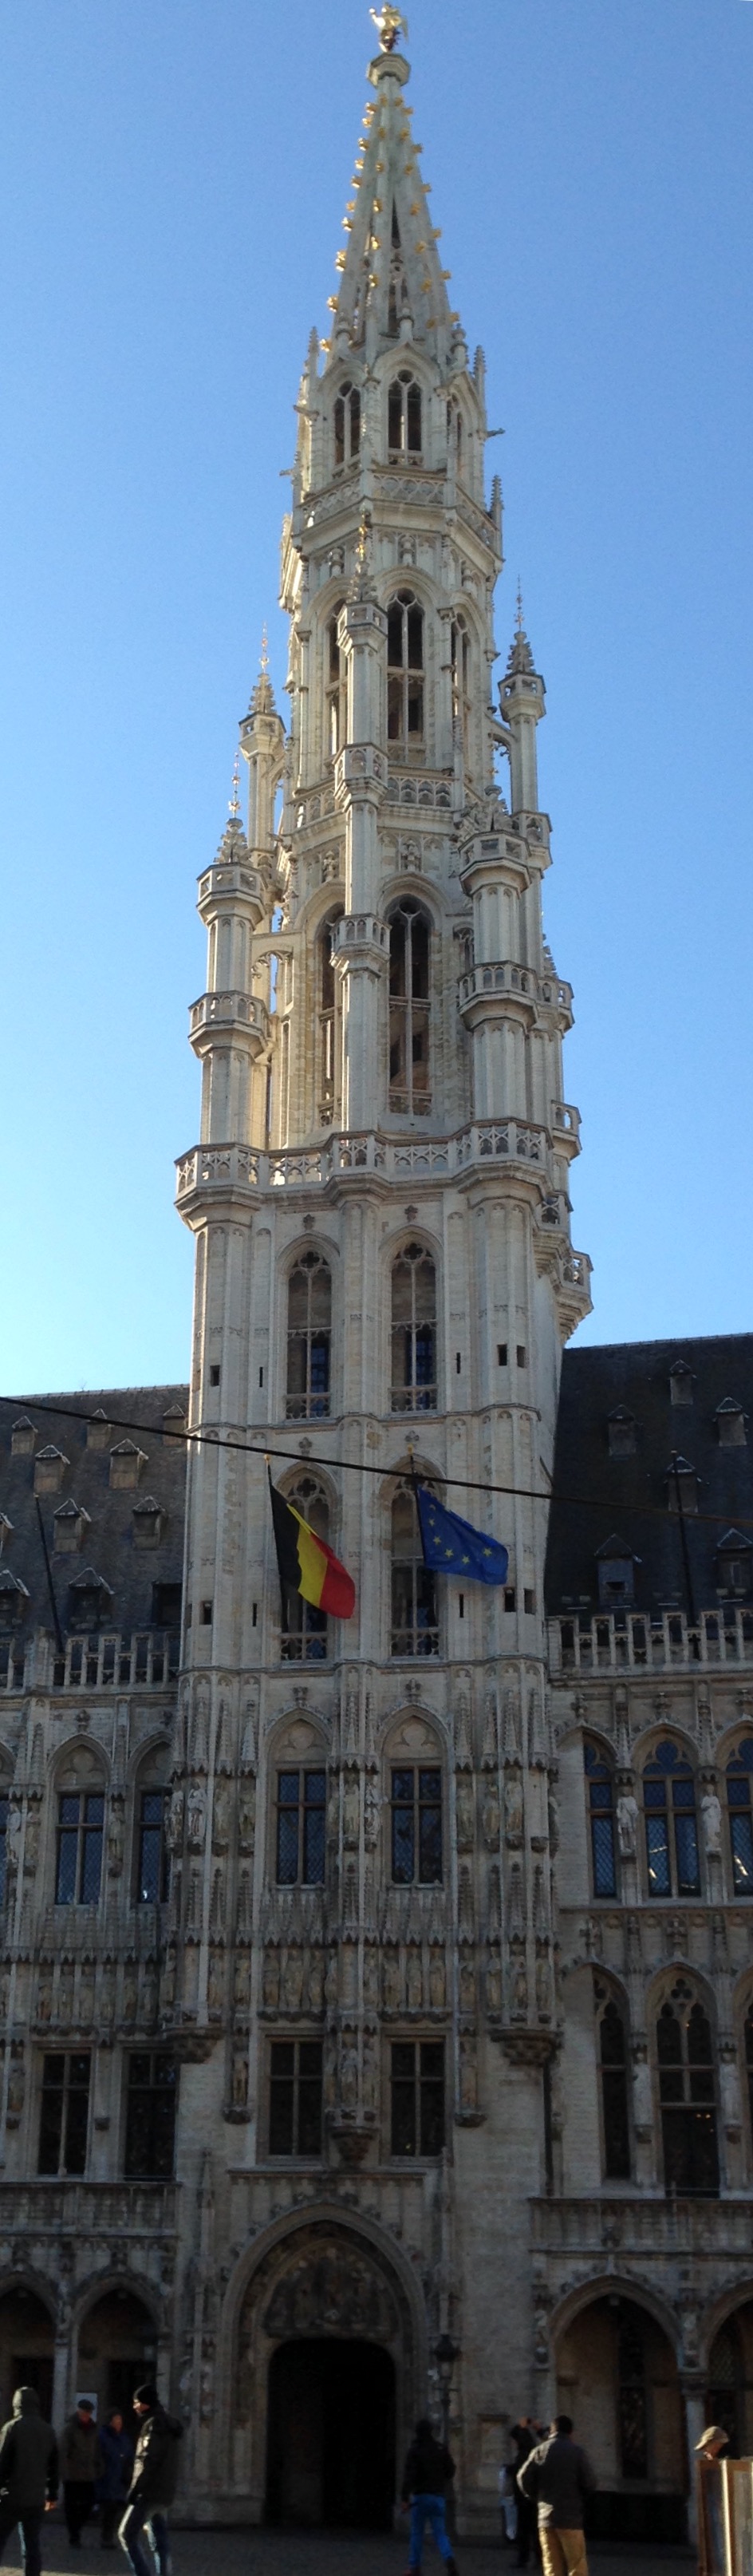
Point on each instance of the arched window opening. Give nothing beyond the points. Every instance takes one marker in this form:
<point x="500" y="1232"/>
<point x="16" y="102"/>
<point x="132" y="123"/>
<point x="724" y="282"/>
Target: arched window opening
<point x="309" y="1337"/>
<point x="404" y="415"/>
<point x="416" y="1826"/>
<point x="304" y="1641"/>
<point x="415" y="1626"/>
<point x="461" y="683"/>
<point x="409" y="1092"/>
<point x="347" y="424"/>
<point x="329" y="1019"/>
<point x="671" y="1827"/>
<point x="739" y="1786"/>
<point x="600" y="1789"/>
<point x="336" y="687"/>
<point x="614" y="2087"/>
<point x="725" y="2396"/>
<point x="414" y="1332"/>
<point x="301" y="1798"/>
<point x="405" y="671"/>
<point x="686" y="2095"/>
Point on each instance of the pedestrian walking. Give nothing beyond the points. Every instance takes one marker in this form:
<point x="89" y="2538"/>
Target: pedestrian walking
<point x="79" y="2464"/>
<point x="508" y="2506"/>
<point x="153" y="2484"/>
<point x="523" y="2436"/>
<point x="557" y="2478"/>
<point x="116" y="2463"/>
<point x="28" y="2476"/>
<point x="429" y="2470"/>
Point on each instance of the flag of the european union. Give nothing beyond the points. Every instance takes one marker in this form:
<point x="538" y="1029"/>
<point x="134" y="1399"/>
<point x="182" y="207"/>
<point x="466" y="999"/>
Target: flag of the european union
<point x="451" y="1546"/>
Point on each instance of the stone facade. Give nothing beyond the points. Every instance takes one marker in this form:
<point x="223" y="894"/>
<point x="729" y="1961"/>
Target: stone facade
<point x="309" y="1944"/>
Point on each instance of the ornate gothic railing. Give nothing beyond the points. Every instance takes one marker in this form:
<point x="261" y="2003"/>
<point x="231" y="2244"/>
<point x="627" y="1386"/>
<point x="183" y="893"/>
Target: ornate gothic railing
<point x="634" y="1641"/>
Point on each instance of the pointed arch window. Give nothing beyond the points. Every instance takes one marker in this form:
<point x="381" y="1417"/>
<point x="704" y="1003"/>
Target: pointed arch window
<point x="309" y="1338"/>
<point x="305" y="1640"/>
<point x="404" y="415"/>
<point x="328" y="1011"/>
<point x="410" y="1090"/>
<point x="600" y="1789"/>
<point x="671" y="1826"/>
<point x="460" y="653"/>
<point x="415" y="1624"/>
<point x="336" y="686"/>
<point x="740" y="1804"/>
<point x="414" y="1332"/>
<point x="347" y="425"/>
<point x="685" y="2058"/>
<point x="613" y="2070"/>
<point x="405" y="671"/>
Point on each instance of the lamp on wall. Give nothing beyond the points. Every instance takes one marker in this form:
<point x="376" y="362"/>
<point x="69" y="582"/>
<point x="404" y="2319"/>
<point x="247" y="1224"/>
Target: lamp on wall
<point x="445" y="2355"/>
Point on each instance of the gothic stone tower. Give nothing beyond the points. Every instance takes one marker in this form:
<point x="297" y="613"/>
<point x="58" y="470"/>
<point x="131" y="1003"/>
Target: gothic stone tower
<point x="362" y="1967"/>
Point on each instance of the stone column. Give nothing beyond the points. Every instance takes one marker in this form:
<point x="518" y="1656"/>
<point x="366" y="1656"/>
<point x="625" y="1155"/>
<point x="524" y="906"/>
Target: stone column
<point x="693" y="2402"/>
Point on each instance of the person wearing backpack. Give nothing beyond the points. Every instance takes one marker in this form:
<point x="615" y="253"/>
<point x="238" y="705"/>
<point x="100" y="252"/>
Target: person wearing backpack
<point x="429" y="2469"/>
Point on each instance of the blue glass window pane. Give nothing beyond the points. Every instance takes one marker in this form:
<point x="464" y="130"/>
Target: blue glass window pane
<point x="149" y="1869"/>
<point x="683" y="1793"/>
<point x="287" y="1788"/>
<point x="403" y="1845"/>
<point x="686" y="1842"/>
<point x="657" y="1854"/>
<point x="741" y="1829"/>
<point x="65" y="1886"/>
<point x="602" y="1843"/>
<point x="654" y="1793"/>
<point x="313" y="1847"/>
<point x="601" y="1793"/>
<point x="91" y="1864"/>
<point x="424" y="1357"/>
<point x="94" y="1811"/>
<point x="738" y="1792"/>
<point x="287" y="1846"/>
<point x="402" y="1787"/>
<point x="69" y="1808"/>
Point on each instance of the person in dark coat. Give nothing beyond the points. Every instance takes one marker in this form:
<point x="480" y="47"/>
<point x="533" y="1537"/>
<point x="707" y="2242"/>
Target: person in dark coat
<point x="79" y="2464"/>
<point x="428" y="2471"/>
<point x="116" y="2463"/>
<point x="28" y="2476"/>
<point x="558" y="2477"/>
<point x="153" y="2484"/>
<point x="523" y="2435"/>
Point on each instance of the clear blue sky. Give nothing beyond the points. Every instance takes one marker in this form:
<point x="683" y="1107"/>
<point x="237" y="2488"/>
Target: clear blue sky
<point x="173" y="179"/>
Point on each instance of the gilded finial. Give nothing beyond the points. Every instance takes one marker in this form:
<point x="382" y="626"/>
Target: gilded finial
<point x="264" y="662"/>
<point x="390" y="24"/>
<point x="359" y="588"/>
<point x="519" y="609"/>
<point x="235" y="802"/>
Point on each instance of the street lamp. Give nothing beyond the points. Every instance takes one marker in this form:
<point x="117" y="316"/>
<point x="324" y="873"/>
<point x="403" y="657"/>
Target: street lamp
<point x="445" y="2355"/>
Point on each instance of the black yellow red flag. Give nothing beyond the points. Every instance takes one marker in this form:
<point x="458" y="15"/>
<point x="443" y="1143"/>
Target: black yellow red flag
<point x="306" y="1564"/>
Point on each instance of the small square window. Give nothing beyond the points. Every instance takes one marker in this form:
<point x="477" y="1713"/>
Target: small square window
<point x="206" y="1614"/>
<point x="509" y="1596"/>
<point x="214" y="1373"/>
<point x="521" y="1355"/>
<point x="529" y="1604"/>
<point x="501" y="1354"/>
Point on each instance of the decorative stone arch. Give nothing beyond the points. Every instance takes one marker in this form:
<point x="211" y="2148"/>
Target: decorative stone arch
<point x="99" y="2285"/>
<point x="663" y="1731"/>
<point x="619" y="2365"/>
<point x="606" y="2285"/>
<point x="28" y="2327"/>
<point x="315" y="2273"/>
<point x="111" y="2291"/>
<point x="736" y="2294"/>
<point x="84" y="1758"/>
<point x="152" y="1748"/>
<point x="659" y="1986"/>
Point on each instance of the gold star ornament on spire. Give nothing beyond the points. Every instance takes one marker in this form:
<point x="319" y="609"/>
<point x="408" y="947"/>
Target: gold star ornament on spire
<point x="390" y="24"/>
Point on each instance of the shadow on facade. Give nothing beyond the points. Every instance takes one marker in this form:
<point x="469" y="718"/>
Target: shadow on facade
<point x="331" y="2435"/>
<point x="27" y="2345"/>
<point x="116" y="2349"/>
<point x="617" y="2376"/>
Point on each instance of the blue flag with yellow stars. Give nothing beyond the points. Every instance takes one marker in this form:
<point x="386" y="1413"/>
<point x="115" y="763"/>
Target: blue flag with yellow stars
<point x="451" y="1546"/>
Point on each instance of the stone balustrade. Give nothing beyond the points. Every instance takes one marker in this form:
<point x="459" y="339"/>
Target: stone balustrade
<point x="85" y="2209"/>
<point x="504" y="975"/>
<point x="633" y="1641"/>
<point x="246" y="1168"/>
<point x="642" y="2226"/>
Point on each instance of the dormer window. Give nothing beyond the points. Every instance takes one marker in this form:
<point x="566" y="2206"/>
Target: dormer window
<point x="734" y="1566"/>
<point x="69" y="1523"/>
<point x="13" y="1598"/>
<point x="98" y="1430"/>
<point x="89" y="1600"/>
<point x="621" y="1433"/>
<point x="682" y="1487"/>
<point x="347" y="425"/>
<point x="148" y="1522"/>
<point x="616" y="1571"/>
<point x="680" y="1383"/>
<point x="404" y="416"/>
<point x="731" y="1424"/>
<point x="174" y="1425"/>
<point x="126" y="1462"/>
<point x="6" y="1530"/>
<point x="23" y="1437"/>
<point x="49" y="1470"/>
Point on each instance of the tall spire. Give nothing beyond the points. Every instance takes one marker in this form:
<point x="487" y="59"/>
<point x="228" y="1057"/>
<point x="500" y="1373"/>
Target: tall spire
<point x="262" y="701"/>
<point x="392" y="285"/>
<point x="520" y="657"/>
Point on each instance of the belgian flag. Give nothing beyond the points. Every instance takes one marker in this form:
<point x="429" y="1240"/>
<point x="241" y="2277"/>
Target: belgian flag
<point x="306" y="1564"/>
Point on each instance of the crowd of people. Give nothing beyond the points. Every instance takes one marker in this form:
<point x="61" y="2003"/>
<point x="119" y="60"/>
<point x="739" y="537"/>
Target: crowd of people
<point x="133" y="2487"/>
<point x="543" y="2491"/>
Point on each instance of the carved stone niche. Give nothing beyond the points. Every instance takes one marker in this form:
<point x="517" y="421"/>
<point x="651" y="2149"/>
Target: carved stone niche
<point x="331" y="2287"/>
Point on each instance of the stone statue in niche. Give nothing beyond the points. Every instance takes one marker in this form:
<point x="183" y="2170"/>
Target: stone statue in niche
<point x="465" y="1811"/>
<point x="14" y="1830"/>
<point x="468" y="2074"/>
<point x="247" y="1815"/>
<point x="221" y="1816"/>
<point x="371" y="1976"/>
<point x="712" y="1824"/>
<point x="331" y="2291"/>
<point x="494" y="1986"/>
<point x="351" y="1810"/>
<point x="543" y="1989"/>
<point x="174" y="1821"/>
<point x="467" y="1987"/>
<point x="115" y="1836"/>
<point x="333" y="1810"/>
<point x="414" y="1981"/>
<point x="44" y="1997"/>
<point x="513" y="1808"/>
<point x="627" y="1824"/>
<point x="370" y="2075"/>
<point x="197" y="1816"/>
<point x="330" y="1982"/>
<point x="391" y="1980"/>
<point x="371" y="1815"/>
<point x="315" y="1982"/>
<point x="490" y="1818"/>
<point x="240" y="2079"/>
<point x="65" y="1992"/>
<point x="292" y="1981"/>
<point x="349" y="2080"/>
<point x="271" y="1980"/>
<point x="216" y="1981"/>
<point x="16" y="2088"/>
<point x="31" y="1845"/>
<point x="242" y="1978"/>
<point x="437" y="1981"/>
<point x="642" y="2103"/>
<point x="168" y="1983"/>
<point x="519" y="1992"/>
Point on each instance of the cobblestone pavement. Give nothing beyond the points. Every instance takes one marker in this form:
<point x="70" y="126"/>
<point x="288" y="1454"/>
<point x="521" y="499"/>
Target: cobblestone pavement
<point x="338" y="2553"/>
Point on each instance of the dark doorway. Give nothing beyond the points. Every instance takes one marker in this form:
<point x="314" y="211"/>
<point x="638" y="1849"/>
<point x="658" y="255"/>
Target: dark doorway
<point x="331" y="2436"/>
<point x="34" y="2370"/>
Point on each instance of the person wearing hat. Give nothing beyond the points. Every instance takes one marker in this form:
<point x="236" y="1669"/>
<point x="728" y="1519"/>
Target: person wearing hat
<point x="79" y="2468"/>
<point x="712" y="2442"/>
<point x="153" y="2484"/>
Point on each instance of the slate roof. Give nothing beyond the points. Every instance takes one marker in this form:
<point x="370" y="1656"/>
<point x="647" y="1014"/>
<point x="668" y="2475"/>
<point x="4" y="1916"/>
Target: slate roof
<point x="617" y="1491"/>
<point x="107" y="1543"/>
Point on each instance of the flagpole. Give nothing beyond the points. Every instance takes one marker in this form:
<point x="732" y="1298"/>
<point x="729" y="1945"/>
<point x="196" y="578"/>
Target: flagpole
<point x="414" y="1490"/>
<point x="283" y="1591"/>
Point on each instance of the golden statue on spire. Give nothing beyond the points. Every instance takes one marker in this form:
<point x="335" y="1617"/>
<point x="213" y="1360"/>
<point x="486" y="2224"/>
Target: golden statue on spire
<point x="390" y="24"/>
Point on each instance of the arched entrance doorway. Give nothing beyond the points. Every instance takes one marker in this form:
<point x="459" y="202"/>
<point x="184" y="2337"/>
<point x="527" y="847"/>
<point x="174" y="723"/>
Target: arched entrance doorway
<point x="26" y="2347"/>
<point x="617" y="2377"/>
<point x="729" y="2392"/>
<point x="331" y="2435"/>
<point x="116" y="2348"/>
